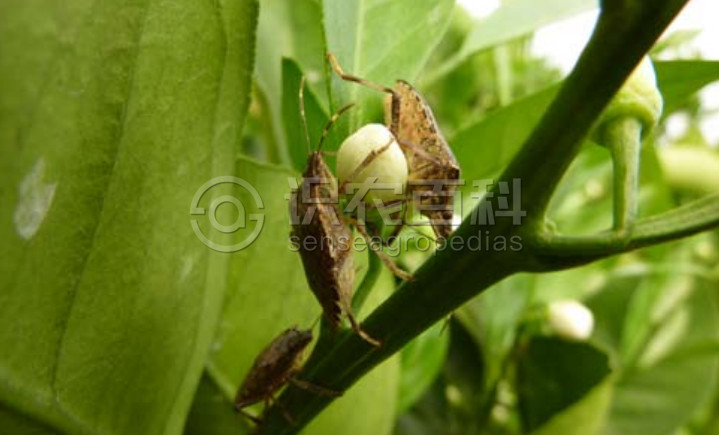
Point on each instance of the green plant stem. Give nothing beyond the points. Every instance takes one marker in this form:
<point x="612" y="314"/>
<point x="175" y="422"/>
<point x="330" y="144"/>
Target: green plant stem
<point x="690" y="218"/>
<point x="624" y="33"/>
<point x="623" y="137"/>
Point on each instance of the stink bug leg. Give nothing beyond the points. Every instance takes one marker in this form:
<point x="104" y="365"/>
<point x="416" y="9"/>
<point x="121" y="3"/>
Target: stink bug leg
<point x="317" y="389"/>
<point x="398" y="272"/>
<point x="395" y="107"/>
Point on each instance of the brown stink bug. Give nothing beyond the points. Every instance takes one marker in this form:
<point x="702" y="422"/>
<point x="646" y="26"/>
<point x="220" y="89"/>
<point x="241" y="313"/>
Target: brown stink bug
<point x="274" y="367"/>
<point x="325" y="238"/>
<point x="433" y="169"/>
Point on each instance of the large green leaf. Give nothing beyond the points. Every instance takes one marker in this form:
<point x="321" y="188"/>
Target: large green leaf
<point x="660" y="400"/>
<point x="381" y="41"/>
<point x="553" y="375"/>
<point x="113" y="115"/>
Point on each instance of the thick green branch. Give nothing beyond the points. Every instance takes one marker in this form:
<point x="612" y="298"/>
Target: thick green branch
<point x="625" y="32"/>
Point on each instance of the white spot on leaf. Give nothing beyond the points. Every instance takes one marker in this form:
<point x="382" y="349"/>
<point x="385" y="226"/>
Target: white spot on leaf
<point x="35" y="198"/>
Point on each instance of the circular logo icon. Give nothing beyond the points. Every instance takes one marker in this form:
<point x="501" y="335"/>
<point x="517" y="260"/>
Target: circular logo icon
<point x="224" y="228"/>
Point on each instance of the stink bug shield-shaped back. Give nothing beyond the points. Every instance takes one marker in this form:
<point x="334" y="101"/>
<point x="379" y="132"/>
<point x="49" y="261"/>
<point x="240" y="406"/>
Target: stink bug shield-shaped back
<point x="273" y="368"/>
<point x="429" y="157"/>
<point x="324" y="238"/>
<point x="433" y="169"/>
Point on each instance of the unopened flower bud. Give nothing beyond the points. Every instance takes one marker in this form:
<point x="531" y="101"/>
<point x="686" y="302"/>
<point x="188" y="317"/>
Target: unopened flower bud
<point x="570" y="319"/>
<point x="389" y="166"/>
<point x="639" y="98"/>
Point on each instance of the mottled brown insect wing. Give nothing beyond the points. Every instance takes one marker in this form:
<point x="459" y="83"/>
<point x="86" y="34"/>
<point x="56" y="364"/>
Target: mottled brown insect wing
<point x="418" y="125"/>
<point x="329" y="266"/>
<point x="429" y="157"/>
<point x="273" y="367"/>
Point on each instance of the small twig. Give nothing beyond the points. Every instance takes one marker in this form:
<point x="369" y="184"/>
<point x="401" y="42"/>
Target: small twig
<point x="694" y="217"/>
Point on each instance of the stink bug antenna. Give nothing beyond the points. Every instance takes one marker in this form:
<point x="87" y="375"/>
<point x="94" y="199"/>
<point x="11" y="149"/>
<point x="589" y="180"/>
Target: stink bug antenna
<point x="328" y="126"/>
<point x="395" y="108"/>
<point x="330" y="123"/>
<point x="303" y="115"/>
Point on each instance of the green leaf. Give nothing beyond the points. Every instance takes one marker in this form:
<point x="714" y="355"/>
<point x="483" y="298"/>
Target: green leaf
<point x="610" y="306"/>
<point x="422" y="360"/>
<point x="292" y="120"/>
<point x="380" y="41"/>
<point x="518" y="18"/>
<point x="554" y="374"/>
<point x="514" y="19"/>
<point x="484" y="148"/>
<point x="113" y="116"/>
<point x="493" y="319"/>
<point x="17" y="424"/>
<point x="679" y="80"/>
<point x="211" y="414"/>
<point x="660" y="398"/>
<point x="287" y="29"/>
<point x="676" y="40"/>
<point x="654" y="298"/>
<point x="585" y="417"/>
<point x="368" y="408"/>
